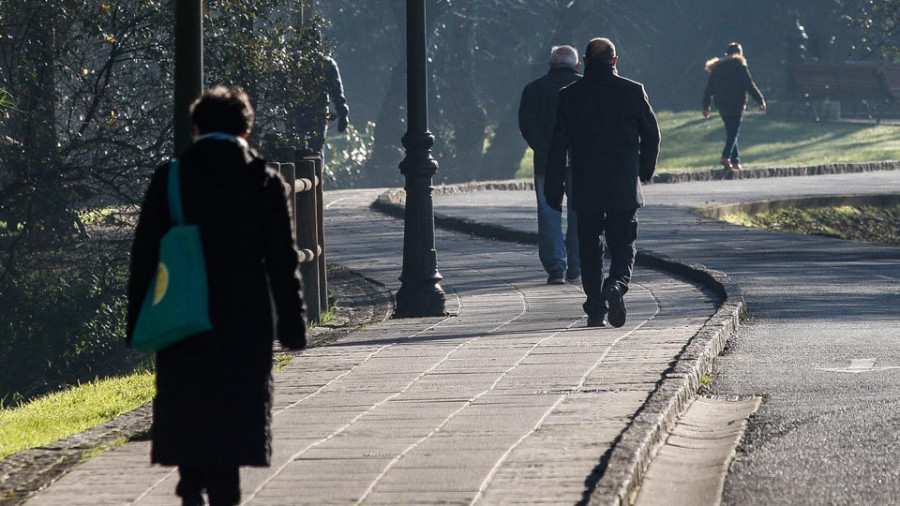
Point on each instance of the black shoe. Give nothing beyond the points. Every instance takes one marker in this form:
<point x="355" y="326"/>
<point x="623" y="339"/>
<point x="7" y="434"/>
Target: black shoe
<point x="616" y="305"/>
<point x="596" y="321"/>
<point x="193" y="499"/>
<point x="556" y="278"/>
<point x="573" y="277"/>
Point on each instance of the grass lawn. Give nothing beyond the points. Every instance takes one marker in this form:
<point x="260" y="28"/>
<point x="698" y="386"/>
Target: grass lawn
<point x="691" y="142"/>
<point x="61" y="414"/>
<point x="58" y="415"/>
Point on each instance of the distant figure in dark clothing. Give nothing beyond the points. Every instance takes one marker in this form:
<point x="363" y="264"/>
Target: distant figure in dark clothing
<point x="314" y="116"/>
<point x="537" y="112"/>
<point x="607" y="125"/>
<point x="213" y="402"/>
<point x="729" y="84"/>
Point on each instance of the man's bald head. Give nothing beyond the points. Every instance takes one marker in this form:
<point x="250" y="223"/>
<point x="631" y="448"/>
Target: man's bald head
<point x="600" y="50"/>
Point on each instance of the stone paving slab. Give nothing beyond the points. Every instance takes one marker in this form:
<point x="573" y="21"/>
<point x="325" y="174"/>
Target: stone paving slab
<point x="507" y="399"/>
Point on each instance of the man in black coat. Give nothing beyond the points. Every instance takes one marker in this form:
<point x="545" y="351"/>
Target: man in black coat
<point x="606" y="124"/>
<point x="537" y="112"/>
<point x="212" y="410"/>
<point x="313" y="115"/>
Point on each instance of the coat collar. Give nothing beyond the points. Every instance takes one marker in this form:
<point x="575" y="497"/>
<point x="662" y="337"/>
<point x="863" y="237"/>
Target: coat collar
<point x="597" y="71"/>
<point x="715" y="62"/>
<point x="562" y="69"/>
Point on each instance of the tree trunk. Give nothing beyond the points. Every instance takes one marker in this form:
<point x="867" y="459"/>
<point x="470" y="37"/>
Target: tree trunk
<point x="390" y="126"/>
<point x="382" y="167"/>
<point x="502" y="159"/>
<point x="461" y="106"/>
<point x="48" y="219"/>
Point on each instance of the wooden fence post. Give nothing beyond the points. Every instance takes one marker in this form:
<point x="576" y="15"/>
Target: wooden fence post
<point x="308" y="237"/>
<point x="320" y="214"/>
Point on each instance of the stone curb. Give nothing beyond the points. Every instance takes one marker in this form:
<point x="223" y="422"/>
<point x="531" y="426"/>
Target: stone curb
<point x="688" y="175"/>
<point x="630" y="456"/>
<point x="28" y="471"/>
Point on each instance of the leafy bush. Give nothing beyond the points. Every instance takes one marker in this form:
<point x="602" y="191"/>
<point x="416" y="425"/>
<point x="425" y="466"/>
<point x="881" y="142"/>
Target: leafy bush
<point x="85" y="113"/>
<point x="62" y="319"/>
<point x="346" y="155"/>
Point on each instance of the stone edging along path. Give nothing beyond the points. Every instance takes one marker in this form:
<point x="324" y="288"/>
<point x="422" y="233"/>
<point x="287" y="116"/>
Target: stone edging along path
<point x="632" y="452"/>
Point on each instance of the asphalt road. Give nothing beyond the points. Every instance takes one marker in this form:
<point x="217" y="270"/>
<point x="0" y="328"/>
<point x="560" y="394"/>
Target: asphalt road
<point x="822" y="436"/>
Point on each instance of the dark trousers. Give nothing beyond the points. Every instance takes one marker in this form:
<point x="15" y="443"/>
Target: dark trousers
<point x="222" y="485"/>
<point x="732" y="130"/>
<point x="620" y="230"/>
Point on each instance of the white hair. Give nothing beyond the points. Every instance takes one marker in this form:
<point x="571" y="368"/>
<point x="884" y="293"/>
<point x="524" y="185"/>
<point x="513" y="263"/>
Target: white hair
<point x="563" y="56"/>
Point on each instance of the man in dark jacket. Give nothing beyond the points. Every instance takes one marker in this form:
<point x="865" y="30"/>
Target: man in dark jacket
<point x="729" y="84"/>
<point x="606" y="124"/>
<point x="537" y="112"/>
<point x="212" y="410"/>
<point x="314" y="115"/>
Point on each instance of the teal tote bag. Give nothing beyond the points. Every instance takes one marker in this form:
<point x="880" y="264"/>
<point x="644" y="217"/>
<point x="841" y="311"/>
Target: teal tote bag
<point x="177" y="303"/>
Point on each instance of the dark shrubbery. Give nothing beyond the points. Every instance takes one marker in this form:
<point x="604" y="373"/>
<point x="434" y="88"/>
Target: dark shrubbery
<point x="61" y="320"/>
<point x="85" y="115"/>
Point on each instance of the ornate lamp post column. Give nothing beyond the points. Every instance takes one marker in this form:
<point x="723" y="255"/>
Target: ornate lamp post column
<point x="420" y="291"/>
<point x="188" y="66"/>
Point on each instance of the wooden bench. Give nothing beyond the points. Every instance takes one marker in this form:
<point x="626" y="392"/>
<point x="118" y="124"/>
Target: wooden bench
<point x="815" y="81"/>
<point x="855" y="83"/>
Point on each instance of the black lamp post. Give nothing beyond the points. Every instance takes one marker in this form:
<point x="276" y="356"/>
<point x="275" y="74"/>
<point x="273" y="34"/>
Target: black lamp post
<point x="188" y="66"/>
<point x="420" y="291"/>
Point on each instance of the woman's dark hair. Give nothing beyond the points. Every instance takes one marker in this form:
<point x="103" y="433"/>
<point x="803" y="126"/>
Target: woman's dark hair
<point x="733" y="49"/>
<point x="223" y="109"/>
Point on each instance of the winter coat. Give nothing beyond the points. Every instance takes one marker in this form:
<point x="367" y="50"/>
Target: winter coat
<point x="606" y="123"/>
<point x="729" y="84"/>
<point x="214" y="390"/>
<point x="312" y="114"/>
<point x="537" y="111"/>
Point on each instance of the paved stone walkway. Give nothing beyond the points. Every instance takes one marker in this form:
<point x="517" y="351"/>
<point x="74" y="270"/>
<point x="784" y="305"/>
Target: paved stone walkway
<point x="816" y="305"/>
<point x="508" y="399"/>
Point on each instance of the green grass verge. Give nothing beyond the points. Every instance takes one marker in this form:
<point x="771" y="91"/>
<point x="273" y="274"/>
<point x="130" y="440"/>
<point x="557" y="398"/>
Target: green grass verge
<point x="854" y="223"/>
<point x="58" y="415"/>
<point x="691" y="142"/>
<point x="61" y="414"/>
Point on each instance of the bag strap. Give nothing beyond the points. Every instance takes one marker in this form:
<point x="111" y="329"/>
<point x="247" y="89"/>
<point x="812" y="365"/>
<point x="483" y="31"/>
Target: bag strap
<point x="175" y="194"/>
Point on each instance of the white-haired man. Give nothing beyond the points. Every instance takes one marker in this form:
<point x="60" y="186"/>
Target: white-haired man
<point x="537" y="112"/>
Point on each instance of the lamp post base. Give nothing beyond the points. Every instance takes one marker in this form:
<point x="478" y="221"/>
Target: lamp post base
<point x="416" y="300"/>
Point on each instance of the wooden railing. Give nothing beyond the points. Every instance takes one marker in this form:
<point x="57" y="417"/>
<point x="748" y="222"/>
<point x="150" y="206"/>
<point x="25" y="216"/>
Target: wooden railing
<point x="302" y="171"/>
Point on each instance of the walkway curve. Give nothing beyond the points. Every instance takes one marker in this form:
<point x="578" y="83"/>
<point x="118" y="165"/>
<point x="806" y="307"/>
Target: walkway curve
<point x="508" y="398"/>
<point x="816" y="304"/>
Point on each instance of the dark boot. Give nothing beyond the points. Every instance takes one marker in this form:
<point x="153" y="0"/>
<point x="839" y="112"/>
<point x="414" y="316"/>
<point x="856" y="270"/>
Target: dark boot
<point x="616" y="303"/>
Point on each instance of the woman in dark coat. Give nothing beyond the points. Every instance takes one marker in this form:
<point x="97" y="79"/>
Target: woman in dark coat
<point x="729" y="84"/>
<point x="212" y="410"/>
